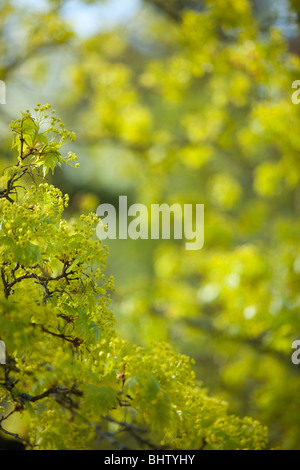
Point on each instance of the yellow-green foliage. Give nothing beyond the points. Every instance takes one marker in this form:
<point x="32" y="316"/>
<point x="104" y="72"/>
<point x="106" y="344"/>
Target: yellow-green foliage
<point x="68" y="374"/>
<point x="189" y="102"/>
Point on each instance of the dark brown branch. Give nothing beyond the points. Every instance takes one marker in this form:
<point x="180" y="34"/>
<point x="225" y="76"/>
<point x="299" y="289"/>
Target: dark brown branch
<point x="41" y="280"/>
<point x="135" y="432"/>
<point x="75" y="341"/>
<point x="62" y="395"/>
<point x="14" y="435"/>
<point x="5" y="284"/>
<point x="56" y="392"/>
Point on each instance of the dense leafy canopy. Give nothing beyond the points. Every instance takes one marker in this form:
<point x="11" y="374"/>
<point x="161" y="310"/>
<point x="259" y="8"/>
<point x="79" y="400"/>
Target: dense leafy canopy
<point x="189" y="103"/>
<point x="67" y="370"/>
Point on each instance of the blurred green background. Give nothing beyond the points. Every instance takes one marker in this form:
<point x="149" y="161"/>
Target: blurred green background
<point x="183" y="101"/>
